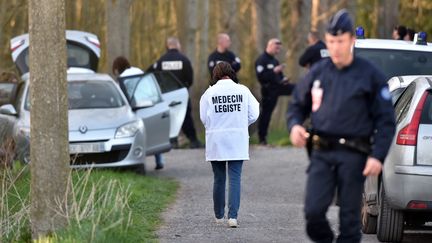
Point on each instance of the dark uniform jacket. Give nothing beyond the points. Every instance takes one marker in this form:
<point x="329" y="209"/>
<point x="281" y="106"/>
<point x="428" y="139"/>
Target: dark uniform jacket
<point x="177" y="63"/>
<point x="264" y="71"/>
<point x="312" y="54"/>
<point x="227" y="56"/>
<point x="356" y="103"/>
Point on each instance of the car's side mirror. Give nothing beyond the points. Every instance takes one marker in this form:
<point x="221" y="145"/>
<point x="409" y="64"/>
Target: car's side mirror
<point x="142" y="104"/>
<point x="8" y="109"/>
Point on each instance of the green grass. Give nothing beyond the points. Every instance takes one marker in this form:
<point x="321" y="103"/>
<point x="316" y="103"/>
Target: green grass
<point x="274" y="137"/>
<point x="115" y="206"/>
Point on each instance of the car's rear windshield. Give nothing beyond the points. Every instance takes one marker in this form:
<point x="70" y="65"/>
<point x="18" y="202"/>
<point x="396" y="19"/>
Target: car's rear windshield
<point x="398" y="62"/>
<point x="90" y="95"/>
<point x="77" y="56"/>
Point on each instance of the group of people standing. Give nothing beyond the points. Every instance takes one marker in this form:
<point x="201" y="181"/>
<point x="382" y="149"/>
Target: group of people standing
<point x="350" y="128"/>
<point x="349" y="133"/>
<point x="400" y="32"/>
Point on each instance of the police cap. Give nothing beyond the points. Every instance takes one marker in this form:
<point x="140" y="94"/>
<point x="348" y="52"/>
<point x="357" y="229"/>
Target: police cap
<point x="340" y="23"/>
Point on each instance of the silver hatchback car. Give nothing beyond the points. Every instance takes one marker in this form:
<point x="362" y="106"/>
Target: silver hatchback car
<point x="403" y="192"/>
<point x="103" y="129"/>
<point x="110" y="124"/>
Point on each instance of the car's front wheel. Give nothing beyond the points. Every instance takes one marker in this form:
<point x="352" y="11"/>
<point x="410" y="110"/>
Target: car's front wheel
<point x="390" y="221"/>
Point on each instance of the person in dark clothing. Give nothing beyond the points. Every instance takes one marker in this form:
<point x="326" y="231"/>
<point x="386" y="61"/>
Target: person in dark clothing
<point x="349" y="104"/>
<point x="273" y="84"/>
<point x="399" y="32"/>
<point x="177" y="63"/>
<point x="315" y="51"/>
<point x="410" y="34"/>
<point x="222" y="53"/>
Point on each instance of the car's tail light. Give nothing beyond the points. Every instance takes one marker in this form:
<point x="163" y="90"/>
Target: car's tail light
<point x="417" y="205"/>
<point x="408" y="134"/>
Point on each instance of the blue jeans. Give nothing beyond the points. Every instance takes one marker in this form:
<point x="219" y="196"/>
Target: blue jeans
<point x="234" y="175"/>
<point x="159" y="160"/>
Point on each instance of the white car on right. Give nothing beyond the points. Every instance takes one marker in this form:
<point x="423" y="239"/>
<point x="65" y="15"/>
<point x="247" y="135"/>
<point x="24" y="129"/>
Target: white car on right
<point x="401" y="196"/>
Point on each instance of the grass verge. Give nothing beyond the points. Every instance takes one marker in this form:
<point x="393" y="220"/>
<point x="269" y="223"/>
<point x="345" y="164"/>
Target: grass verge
<point x="104" y="206"/>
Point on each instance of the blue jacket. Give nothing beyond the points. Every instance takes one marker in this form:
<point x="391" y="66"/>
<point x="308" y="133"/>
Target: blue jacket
<point x="356" y="103"/>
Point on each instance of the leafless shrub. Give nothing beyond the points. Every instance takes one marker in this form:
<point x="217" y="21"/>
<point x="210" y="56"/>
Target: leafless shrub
<point x="7" y="153"/>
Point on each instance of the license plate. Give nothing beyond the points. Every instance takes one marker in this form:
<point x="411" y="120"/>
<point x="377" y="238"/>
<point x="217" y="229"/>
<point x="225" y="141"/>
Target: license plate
<point x="85" y="148"/>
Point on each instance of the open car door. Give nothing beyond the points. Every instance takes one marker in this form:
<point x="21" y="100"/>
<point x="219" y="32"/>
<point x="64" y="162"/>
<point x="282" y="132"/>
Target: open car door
<point x="145" y="98"/>
<point x="176" y="95"/>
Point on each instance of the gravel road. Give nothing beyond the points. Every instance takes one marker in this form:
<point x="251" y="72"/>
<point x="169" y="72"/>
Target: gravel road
<point x="273" y="183"/>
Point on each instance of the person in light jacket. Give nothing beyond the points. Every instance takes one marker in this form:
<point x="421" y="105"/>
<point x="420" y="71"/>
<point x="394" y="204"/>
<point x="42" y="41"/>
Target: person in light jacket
<point x="226" y="110"/>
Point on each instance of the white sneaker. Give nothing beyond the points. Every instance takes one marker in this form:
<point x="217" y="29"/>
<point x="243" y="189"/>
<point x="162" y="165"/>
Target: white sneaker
<point x="232" y="223"/>
<point x="219" y="221"/>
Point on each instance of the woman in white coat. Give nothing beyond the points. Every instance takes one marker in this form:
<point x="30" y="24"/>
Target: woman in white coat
<point x="226" y="110"/>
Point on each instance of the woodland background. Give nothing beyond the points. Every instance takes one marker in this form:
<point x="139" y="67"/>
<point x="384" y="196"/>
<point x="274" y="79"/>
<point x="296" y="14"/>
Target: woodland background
<point x="138" y="29"/>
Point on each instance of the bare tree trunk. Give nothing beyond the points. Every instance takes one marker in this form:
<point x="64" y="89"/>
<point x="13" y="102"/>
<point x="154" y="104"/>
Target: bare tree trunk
<point x="203" y="50"/>
<point x="118" y="27"/>
<point x="49" y="115"/>
<point x="315" y="15"/>
<point x="187" y="22"/>
<point x="387" y="17"/>
<point x="230" y="23"/>
<point x="267" y="27"/>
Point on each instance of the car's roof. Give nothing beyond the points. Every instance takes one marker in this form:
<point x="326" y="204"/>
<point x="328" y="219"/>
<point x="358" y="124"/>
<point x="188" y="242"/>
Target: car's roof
<point x="402" y="81"/>
<point x="425" y="81"/>
<point x="89" y="76"/>
<point x="78" y="76"/>
<point x="391" y="45"/>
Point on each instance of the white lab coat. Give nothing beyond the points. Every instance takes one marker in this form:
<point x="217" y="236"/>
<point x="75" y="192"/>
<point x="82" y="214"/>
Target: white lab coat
<point x="226" y="110"/>
<point x="131" y="71"/>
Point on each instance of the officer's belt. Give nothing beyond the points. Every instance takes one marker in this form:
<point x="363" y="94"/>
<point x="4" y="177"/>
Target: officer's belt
<point x="319" y="142"/>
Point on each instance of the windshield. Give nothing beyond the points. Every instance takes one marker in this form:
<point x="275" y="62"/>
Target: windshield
<point x="398" y="62"/>
<point x="90" y="95"/>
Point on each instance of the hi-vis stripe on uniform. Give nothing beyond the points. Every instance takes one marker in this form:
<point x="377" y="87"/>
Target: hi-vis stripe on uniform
<point x="172" y="65"/>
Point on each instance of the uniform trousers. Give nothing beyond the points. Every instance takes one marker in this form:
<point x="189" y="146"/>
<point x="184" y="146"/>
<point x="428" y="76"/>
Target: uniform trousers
<point x="268" y="103"/>
<point x="188" y="127"/>
<point x="338" y="169"/>
<point x="234" y="188"/>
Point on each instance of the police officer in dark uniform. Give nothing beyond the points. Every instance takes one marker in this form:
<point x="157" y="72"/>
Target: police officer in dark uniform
<point x="273" y="84"/>
<point x="350" y="106"/>
<point x="177" y="63"/>
<point x="223" y="54"/>
<point x="315" y="51"/>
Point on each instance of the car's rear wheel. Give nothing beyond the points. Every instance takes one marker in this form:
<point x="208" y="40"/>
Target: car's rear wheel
<point x="390" y="221"/>
<point x="369" y="221"/>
